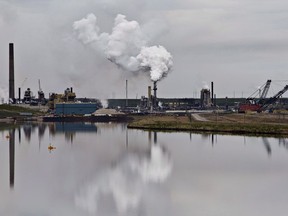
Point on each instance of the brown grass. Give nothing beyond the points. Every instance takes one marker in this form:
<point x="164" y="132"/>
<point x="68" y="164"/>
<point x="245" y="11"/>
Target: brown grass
<point x="269" y="124"/>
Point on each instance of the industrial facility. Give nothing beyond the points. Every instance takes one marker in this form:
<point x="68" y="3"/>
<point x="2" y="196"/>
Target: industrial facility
<point x="65" y="104"/>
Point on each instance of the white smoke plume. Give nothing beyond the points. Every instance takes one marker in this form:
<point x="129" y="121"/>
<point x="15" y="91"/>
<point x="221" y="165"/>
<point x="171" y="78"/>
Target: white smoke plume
<point x="157" y="60"/>
<point x="126" y="46"/>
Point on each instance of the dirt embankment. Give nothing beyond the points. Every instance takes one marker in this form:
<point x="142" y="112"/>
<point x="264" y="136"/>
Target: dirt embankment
<point x="233" y="123"/>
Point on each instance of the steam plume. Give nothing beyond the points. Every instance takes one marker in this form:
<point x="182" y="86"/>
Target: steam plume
<point x="126" y="46"/>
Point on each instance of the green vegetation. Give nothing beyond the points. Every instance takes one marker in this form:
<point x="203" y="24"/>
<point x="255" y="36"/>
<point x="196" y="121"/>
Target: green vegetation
<point x="7" y="110"/>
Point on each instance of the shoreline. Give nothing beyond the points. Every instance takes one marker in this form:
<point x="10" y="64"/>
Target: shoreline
<point x="258" y="124"/>
<point x="184" y="123"/>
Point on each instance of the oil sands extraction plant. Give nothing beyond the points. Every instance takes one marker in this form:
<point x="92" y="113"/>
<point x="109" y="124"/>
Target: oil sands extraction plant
<point x="67" y="104"/>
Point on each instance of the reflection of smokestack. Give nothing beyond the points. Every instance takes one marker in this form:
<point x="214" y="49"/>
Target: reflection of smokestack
<point x="19" y="134"/>
<point x="126" y="93"/>
<point x="149" y="137"/>
<point x="155" y="137"/>
<point x="19" y="94"/>
<point x="11" y="71"/>
<point x="127" y="137"/>
<point x="12" y="157"/>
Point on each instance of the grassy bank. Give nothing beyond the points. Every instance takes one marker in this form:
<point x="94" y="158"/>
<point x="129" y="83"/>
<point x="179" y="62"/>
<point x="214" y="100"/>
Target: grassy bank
<point x="235" y="124"/>
<point x="13" y="111"/>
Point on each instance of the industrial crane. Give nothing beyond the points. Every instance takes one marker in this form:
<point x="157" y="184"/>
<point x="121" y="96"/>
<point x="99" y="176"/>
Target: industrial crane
<point x="253" y="104"/>
<point x="261" y="104"/>
<point x="264" y="92"/>
<point x="273" y="99"/>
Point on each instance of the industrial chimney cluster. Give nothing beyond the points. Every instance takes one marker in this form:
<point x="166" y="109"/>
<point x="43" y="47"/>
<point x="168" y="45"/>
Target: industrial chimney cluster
<point x="150" y="103"/>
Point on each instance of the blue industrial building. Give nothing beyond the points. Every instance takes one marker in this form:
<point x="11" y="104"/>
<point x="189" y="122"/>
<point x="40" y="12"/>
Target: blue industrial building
<point x="75" y="108"/>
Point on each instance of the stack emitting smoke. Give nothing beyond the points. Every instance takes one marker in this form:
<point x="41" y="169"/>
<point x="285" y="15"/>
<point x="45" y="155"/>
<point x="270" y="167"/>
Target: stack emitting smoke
<point x="126" y="46"/>
<point x="155" y="94"/>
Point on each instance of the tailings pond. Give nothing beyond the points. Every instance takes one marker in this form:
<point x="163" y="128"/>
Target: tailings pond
<point x="104" y="169"/>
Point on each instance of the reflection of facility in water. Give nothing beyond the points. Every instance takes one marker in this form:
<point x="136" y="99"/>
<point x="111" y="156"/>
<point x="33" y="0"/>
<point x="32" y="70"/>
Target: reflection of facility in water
<point x="28" y="129"/>
<point x="65" y="127"/>
<point x="68" y="128"/>
<point x="41" y="130"/>
<point x="267" y="146"/>
<point x="71" y="128"/>
<point x="150" y="137"/>
<point x="283" y="142"/>
<point x="128" y="181"/>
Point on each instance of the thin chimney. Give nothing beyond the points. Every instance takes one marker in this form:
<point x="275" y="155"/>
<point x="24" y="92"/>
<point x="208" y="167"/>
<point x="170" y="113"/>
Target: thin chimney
<point x="212" y="93"/>
<point x="11" y="72"/>
<point x="155" y="94"/>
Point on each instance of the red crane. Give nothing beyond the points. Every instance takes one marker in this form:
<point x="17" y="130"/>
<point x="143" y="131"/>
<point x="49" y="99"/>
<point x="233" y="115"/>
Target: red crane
<point x="262" y="103"/>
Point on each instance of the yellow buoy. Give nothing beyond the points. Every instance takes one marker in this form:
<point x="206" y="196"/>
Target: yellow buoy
<point x="50" y="147"/>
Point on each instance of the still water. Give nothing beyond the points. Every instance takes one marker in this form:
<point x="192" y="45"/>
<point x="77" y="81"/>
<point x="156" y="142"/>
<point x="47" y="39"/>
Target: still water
<point x="105" y="169"/>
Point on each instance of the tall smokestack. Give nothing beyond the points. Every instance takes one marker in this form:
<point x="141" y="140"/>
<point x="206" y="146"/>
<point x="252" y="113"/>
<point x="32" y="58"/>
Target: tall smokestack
<point x="11" y="72"/>
<point x="212" y="93"/>
<point x="149" y="105"/>
<point x="149" y="92"/>
<point x="155" y="89"/>
<point x="155" y="93"/>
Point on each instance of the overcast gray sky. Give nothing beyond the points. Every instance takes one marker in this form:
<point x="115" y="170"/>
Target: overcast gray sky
<point x="238" y="44"/>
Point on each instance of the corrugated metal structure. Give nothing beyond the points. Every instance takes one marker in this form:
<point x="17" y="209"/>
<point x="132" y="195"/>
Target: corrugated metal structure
<point x="75" y="108"/>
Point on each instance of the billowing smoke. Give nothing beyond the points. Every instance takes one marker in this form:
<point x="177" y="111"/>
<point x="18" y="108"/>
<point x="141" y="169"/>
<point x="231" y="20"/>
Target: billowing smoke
<point x="126" y="46"/>
<point x="157" y="60"/>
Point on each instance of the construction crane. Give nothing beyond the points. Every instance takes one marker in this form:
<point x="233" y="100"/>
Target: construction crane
<point x="252" y="104"/>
